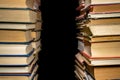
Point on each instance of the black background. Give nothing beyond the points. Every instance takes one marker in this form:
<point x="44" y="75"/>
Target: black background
<point x="58" y="39"/>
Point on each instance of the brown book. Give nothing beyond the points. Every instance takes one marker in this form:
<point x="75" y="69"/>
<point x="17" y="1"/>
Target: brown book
<point x="102" y="53"/>
<point x="79" y="77"/>
<point x="104" y="21"/>
<point x="18" y="15"/>
<point x="17" y="26"/>
<point x="104" y="72"/>
<point x="80" y="72"/>
<point x="101" y="6"/>
<point x="94" y="2"/>
<point x="79" y="61"/>
<point x="105" y="8"/>
<point x="36" y="35"/>
<point x="100" y="33"/>
<point x="101" y="38"/>
<point x="15" y="36"/>
<point x="103" y="18"/>
<point x="39" y="18"/>
<point x="17" y="4"/>
<point x="38" y="26"/>
<point x="102" y="49"/>
<point x="102" y="30"/>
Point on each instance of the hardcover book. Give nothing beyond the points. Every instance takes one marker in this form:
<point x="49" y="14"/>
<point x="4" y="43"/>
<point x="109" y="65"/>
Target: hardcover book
<point x="18" y="15"/>
<point x="105" y="8"/>
<point x="21" y="76"/>
<point x="17" y="26"/>
<point x="15" y="36"/>
<point x="15" y="49"/>
<point x="18" y="69"/>
<point x="16" y="60"/>
<point x="17" y="4"/>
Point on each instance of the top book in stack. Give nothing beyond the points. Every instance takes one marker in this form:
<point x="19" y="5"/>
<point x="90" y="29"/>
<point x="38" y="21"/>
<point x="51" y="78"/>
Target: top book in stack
<point x="21" y="11"/>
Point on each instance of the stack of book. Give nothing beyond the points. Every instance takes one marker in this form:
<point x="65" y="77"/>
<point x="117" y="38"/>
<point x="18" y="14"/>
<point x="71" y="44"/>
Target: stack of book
<point x="19" y="40"/>
<point x="99" y="42"/>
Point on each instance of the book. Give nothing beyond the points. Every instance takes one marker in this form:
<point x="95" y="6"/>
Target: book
<point x="98" y="56"/>
<point x="16" y="60"/>
<point x="100" y="6"/>
<point x="37" y="50"/>
<point x="105" y="8"/>
<point x="80" y="68"/>
<point x="36" y="44"/>
<point x="17" y="26"/>
<point x="79" y="61"/>
<point x="36" y="35"/>
<point x="15" y="36"/>
<point x="21" y="76"/>
<point x="104" y="72"/>
<point x="18" y="15"/>
<point x="79" y="77"/>
<point x="101" y="38"/>
<point x="96" y="2"/>
<point x="102" y="30"/>
<point x="36" y="77"/>
<point x="102" y="49"/>
<point x="100" y="61"/>
<point x="103" y="21"/>
<point x="17" y="4"/>
<point x="80" y="72"/>
<point x="82" y="75"/>
<point x="38" y="26"/>
<point x="15" y="49"/>
<point x="39" y="18"/>
<point x="104" y="15"/>
<point x="21" y="69"/>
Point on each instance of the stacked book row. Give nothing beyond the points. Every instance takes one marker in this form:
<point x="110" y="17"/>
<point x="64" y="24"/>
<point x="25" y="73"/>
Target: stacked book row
<point x="99" y="42"/>
<point x="20" y="28"/>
